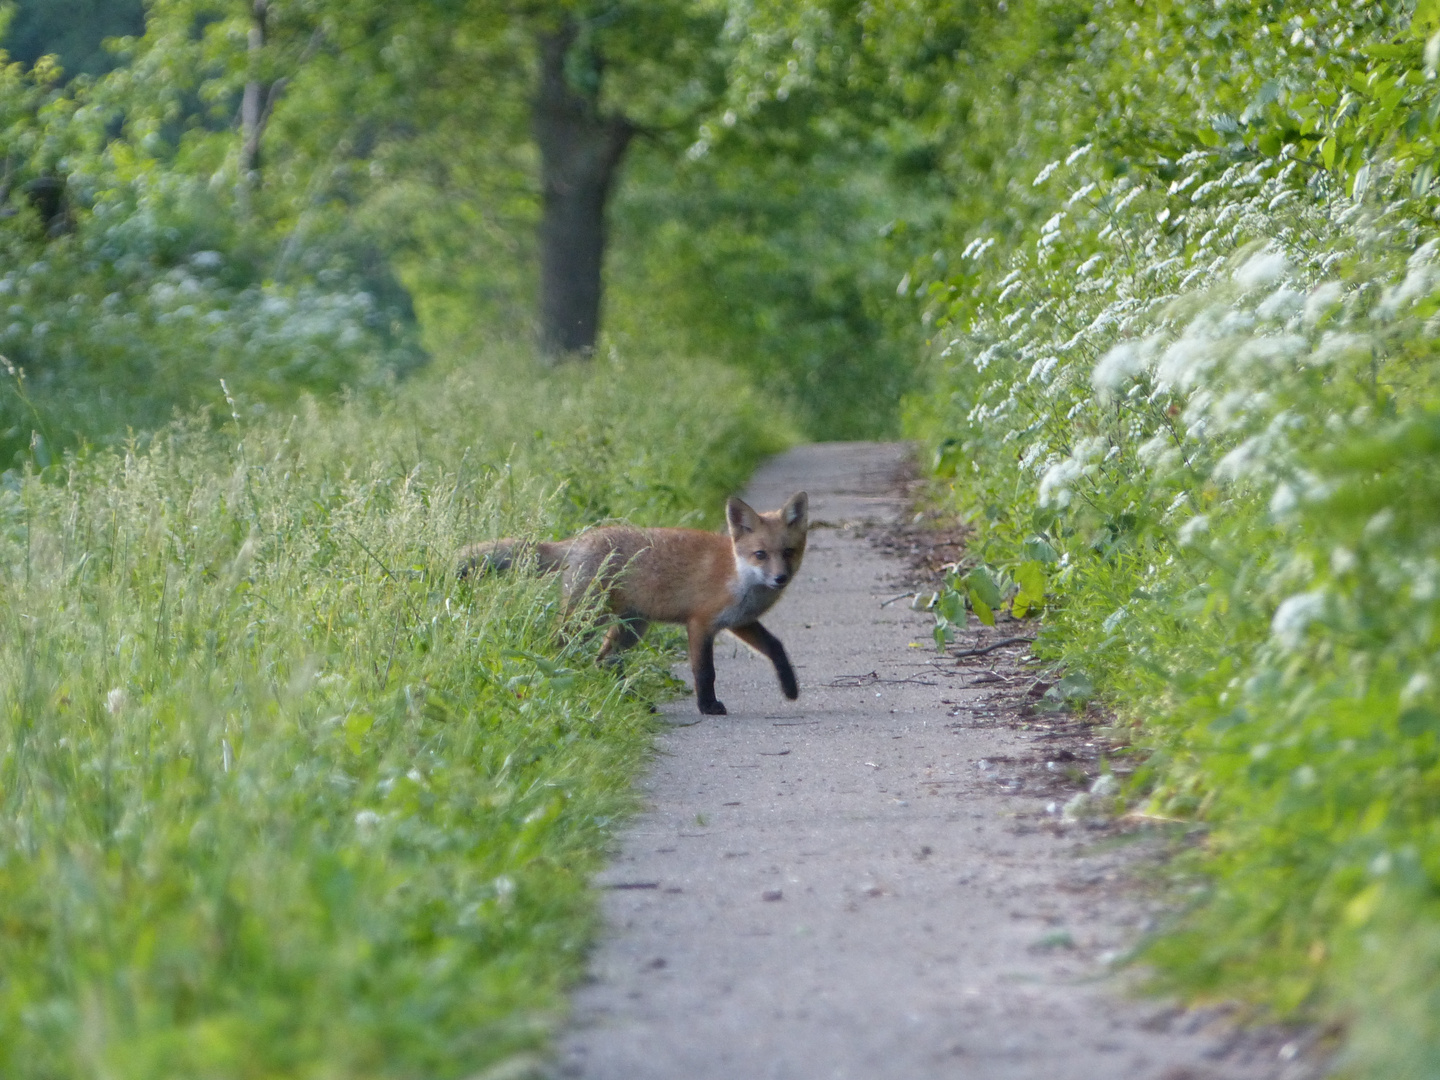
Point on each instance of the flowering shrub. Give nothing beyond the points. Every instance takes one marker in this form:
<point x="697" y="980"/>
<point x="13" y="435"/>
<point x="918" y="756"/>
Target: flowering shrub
<point x="130" y="285"/>
<point x="146" y="307"/>
<point x="1194" y="407"/>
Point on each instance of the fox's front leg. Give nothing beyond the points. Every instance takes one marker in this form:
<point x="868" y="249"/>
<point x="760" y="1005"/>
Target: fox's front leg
<point x="766" y="643"/>
<point x="702" y="666"/>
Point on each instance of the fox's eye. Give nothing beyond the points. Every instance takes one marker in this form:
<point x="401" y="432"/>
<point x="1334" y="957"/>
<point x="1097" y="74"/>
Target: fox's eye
<point x="789" y="553"/>
<point x="760" y="555"/>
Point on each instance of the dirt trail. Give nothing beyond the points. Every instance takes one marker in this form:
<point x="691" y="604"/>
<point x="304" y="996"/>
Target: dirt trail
<point x="865" y="883"/>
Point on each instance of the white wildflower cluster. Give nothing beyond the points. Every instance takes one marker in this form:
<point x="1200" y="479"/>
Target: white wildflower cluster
<point x="1294" y="616"/>
<point x="1196" y="350"/>
<point x="1084" y="461"/>
<point x="1122" y="363"/>
<point x="308" y="336"/>
<point x="1055" y="485"/>
<point x="124" y="305"/>
<point x="1262" y="269"/>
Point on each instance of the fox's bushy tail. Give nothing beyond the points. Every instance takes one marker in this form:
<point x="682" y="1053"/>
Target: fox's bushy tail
<point x="497" y="556"/>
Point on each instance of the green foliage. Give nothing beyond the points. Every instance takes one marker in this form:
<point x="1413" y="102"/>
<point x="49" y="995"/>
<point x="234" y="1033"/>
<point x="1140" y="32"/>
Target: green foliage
<point x="132" y="287"/>
<point x="73" y="30"/>
<point x="773" y="235"/>
<point x="149" y="307"/>
<point x="1185" y="386"/>
<point x="281" y="796"/>
<point x="779" y="267"/>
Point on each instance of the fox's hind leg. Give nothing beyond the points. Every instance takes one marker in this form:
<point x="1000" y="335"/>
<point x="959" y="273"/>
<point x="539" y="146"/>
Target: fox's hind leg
<point x="625" y="632"/>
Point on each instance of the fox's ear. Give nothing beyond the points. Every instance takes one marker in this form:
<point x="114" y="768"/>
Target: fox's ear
<point x="797" y="511"/>
<point x="741" y="517"/>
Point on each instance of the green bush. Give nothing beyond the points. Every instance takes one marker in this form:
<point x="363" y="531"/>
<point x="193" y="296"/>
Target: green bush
<point x="134" y="282"/>
<point x="149" y="304"/>
<point x="780" y="267"/>
<point x="1189" y="399"/>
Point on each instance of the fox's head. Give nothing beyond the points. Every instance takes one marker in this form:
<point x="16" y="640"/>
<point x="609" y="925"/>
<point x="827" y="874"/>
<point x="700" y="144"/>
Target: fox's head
<point x="769" y="546"/>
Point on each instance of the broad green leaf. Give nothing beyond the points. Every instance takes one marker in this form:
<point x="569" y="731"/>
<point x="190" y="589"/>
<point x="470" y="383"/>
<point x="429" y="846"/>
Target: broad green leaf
<point x="357" y="725"/>
<point x="981" y="583"/>
<point x="1030" y="576"/>
<point x="1424" y="177"/>
<point x="1040" y="550"/>
<point x="1417" y="720"/>
<point x="982" y="610"/>
<point x="951" y="606"/>
<point x="944" y="634"/>
<point x="1075" y="686"/>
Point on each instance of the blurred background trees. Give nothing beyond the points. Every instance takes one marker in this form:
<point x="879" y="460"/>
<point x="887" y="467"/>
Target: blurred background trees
<point x="74" y="29"/>
<point x="442" y="172"/>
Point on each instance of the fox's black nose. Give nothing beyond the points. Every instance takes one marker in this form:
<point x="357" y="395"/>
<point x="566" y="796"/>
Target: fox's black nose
<point x="780" y="579"/>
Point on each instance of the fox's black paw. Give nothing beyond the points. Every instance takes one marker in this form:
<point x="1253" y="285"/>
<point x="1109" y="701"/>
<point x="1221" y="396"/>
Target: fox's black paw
<point x="715" y="708"/>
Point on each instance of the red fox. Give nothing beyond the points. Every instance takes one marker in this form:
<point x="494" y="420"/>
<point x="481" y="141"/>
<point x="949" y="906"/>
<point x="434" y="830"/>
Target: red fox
<point x="707" y="581"/>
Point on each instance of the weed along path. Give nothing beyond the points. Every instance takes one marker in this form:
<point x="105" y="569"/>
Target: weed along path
<point x="865" y="883"/>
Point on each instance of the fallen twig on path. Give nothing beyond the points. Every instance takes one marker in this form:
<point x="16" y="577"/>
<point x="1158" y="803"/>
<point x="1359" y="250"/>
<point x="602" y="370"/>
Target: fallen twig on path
<point x="991" y="647"/>
<point x="872" y="678"/>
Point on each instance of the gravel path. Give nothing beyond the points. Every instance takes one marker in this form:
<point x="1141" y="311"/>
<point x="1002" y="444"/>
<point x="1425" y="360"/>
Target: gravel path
<point x="865" y="883"/>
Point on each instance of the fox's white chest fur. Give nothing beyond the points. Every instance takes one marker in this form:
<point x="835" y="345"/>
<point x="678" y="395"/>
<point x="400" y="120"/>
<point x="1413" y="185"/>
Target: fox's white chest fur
<point x="753" y="593"/>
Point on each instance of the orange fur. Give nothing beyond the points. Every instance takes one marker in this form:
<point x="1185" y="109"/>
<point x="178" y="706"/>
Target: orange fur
<point x="707" y="581"/>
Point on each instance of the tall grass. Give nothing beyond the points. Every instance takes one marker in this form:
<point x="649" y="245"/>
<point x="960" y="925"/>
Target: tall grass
<point x="280" y="796"/>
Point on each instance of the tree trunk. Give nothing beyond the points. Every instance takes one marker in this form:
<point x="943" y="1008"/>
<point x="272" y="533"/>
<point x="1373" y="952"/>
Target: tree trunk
<point x="580" y="151"/>
<point x="252" y="102"/>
